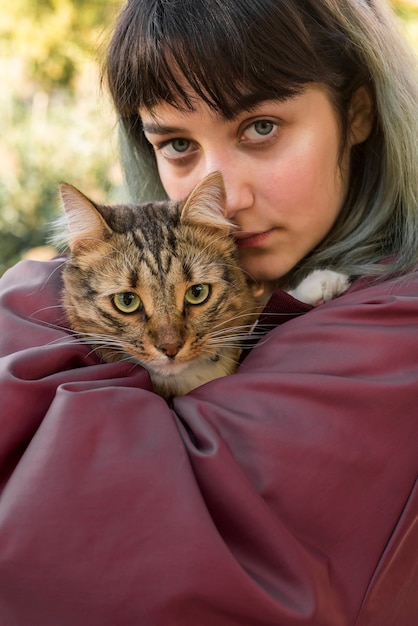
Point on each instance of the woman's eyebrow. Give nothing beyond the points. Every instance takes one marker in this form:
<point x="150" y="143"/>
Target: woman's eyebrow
<point x="153" y="128"/>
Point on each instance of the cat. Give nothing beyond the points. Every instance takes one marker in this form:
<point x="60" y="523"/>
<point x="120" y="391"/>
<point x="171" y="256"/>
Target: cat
<point x="160" y="284"/>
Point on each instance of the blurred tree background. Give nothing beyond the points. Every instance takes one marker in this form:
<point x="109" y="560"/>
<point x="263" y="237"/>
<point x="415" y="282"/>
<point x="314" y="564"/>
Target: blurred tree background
<point x="56" y="123"/>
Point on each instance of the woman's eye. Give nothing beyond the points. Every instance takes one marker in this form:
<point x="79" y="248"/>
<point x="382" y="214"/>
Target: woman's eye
<point x="259" y="129"/>
<point x="126" y="302"/>
<point x="197" y="294"/>
<point x="264" y="127"/>
<point x="180" y="145"/>
<point x="175" y="147"/>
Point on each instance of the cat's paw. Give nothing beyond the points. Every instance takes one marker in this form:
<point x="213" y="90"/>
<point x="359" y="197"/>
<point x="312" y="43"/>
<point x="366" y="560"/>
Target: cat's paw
<point x="321" y="286"/>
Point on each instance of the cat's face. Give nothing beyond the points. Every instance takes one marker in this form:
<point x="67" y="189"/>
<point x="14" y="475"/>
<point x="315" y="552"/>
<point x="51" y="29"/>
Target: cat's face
<point x="159" y="283"/>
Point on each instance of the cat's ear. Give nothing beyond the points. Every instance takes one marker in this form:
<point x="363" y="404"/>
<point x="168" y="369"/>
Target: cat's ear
<point x="84" y="222"/>
<point x="205" y="205"/>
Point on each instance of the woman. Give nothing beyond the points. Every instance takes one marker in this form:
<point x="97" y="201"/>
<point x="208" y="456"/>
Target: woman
<point x="286" y="493"/>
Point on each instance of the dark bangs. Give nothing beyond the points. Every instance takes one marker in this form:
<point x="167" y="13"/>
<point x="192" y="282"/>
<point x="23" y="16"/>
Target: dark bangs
<point x="231" y="53"/>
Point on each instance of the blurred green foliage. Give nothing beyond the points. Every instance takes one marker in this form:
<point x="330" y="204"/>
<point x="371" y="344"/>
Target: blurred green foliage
<point x="56" y="123"/>
<point x="408" y="12"/>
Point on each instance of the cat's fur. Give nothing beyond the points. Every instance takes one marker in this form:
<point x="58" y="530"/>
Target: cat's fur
<point x="146" y="259"/>
<point x="321" y="286"/>
<point x="157" y="252"/>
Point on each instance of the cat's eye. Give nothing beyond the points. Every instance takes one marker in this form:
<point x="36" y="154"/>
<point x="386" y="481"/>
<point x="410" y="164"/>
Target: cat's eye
<point x="197" y="294"/>
<point x="126" y="302"/>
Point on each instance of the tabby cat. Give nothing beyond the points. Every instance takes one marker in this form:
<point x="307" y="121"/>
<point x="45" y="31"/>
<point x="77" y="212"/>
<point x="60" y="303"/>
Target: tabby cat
<point x="159" y="284"/>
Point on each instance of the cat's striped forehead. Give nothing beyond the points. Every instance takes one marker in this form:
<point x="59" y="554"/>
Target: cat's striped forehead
<point x="152" y="243"/>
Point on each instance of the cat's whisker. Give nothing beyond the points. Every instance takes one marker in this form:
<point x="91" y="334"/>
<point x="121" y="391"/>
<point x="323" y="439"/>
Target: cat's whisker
<point x="224" y="357"/>
<point x="264" y="324"/>
<point x="57" y="269"/>
<point x="245" y="328"/>
<point x="250" y="342"/>
<point x="95" y="341"/>
<point x="232" y="342"/>
<point x="243" y="331"/>
<point x="43" y="310"/>
<point x="244" y="313"/>
<point x="231" y="339"/>
<point x="226" y="329"/>
<point x="235" y="341"/>
<point x="257" y="344"/>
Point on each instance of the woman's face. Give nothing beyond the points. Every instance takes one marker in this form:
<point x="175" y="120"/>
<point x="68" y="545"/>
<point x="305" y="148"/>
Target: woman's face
<point x="280" y="161"/>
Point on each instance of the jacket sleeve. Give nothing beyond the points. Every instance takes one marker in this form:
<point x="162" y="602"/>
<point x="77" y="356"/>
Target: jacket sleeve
<point x="283" y="494"/>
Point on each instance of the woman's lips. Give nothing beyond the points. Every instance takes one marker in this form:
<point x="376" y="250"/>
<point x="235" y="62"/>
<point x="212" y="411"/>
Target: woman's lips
<point x="251" y="240"/>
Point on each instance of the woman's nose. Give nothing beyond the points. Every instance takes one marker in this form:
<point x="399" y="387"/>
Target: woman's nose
<point x="238" y="196"/>
<point x="239" y="193"/>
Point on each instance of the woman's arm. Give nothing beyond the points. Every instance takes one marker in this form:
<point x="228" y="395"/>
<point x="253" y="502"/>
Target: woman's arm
<point x="273" y="496"/>
<point x="321" y="423"/>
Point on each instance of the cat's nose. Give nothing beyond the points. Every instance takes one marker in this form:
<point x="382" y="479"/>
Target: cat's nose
<point x="170" y="349"/>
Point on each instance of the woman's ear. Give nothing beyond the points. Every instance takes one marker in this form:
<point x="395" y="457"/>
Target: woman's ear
<point x="360" y="116"/>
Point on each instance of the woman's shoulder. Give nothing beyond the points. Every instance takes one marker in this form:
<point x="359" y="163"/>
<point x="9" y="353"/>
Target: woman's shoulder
<point x="35" y="280"/>
<point x="405" y="284"/>
<point x="373" y="324"/>
<point x="369" y="297"/>
<point x="30" y="305"/>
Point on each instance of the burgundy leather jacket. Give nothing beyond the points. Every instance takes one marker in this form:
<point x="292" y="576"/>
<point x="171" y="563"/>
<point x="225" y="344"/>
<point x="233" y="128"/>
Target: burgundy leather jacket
<point x="284" y="495"/>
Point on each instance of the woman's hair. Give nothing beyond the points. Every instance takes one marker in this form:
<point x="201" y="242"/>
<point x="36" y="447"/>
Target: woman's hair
<point x="235" y="53"/>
